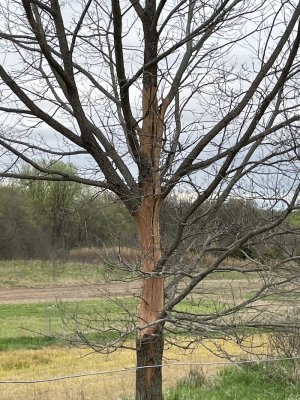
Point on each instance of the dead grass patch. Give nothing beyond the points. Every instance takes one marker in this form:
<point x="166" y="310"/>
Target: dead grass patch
<point x="209" y="259"/>
<point x="97" y="255"/>
<point x="50" y="362"/>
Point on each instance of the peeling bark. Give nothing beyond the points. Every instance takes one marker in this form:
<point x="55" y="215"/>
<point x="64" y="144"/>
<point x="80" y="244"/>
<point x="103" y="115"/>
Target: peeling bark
<point x="150" y="339"/>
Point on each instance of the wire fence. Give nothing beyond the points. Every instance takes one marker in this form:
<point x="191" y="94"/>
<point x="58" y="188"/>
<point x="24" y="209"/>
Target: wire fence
<point x="132" y="369"/>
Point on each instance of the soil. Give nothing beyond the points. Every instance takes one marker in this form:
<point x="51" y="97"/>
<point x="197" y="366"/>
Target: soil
<point x="210" y="289"/>
<point x="71" y="292"/>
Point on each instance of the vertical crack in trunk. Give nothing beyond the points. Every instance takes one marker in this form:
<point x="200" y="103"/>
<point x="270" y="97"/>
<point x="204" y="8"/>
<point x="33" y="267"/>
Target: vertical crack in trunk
<point x="152" y="294"/>
<point x="150" y="342"/>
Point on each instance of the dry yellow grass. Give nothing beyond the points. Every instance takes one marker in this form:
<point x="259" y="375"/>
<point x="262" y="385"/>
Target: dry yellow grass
<point x="209" y="259"/>
<point x="99" y="254"/>
<point x="51" y="362"/>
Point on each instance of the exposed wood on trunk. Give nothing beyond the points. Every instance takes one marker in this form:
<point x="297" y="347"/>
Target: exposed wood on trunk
<point x="150" y="343"/>
<point x="150" y="338"/>
<point x="152" y="293"/>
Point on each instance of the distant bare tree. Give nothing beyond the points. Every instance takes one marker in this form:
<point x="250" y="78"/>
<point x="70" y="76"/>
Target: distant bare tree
<point x="56" y="202"/>
<point x="150" y="98"/>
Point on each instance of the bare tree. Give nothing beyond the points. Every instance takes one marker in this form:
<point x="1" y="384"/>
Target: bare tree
<point x="152" y="98"/>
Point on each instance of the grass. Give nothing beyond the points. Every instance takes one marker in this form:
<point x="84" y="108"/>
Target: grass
<point x="294" y="219"/>
<point x="255" y="382"/>
<point x="288" y="299"/>
<point x="32" y="335"/>
<point x="98" y="254"/>
<point x="53" y="361"/>
<point x="41" y="326"/>
<point x="200" y="306"/>
<point x="61" y="361"/>
<point x="34" y="273"/>
<point x="37" y="325"/>
<point x="231" y="275"/>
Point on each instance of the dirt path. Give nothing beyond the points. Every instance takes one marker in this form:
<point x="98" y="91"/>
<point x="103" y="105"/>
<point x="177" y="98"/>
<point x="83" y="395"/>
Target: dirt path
<point x="210" y="289"/>
<point x="74" y="292"/>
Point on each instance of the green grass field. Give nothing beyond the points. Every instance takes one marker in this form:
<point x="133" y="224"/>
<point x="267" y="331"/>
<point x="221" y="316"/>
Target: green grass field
<point x="266" y="381"/>
<point x="252" y="382"/>
<point x="46" y="273"/>
<point x="38" y="325"/>
<point x="42" y="324"/>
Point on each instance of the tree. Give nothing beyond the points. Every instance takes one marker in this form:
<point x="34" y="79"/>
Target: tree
<point x="149" y="98"/>
<point x="104" y="221"/>
<point x="21" y="235"/>
<point x="56" y="201"/>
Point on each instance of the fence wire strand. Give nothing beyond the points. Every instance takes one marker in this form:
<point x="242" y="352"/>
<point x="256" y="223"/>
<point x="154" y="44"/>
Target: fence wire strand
<point x="132" y="369"/>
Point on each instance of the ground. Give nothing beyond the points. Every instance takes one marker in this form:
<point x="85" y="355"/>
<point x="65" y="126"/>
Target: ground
<point x="66" y="292"/>
<point x="68" y="285"/>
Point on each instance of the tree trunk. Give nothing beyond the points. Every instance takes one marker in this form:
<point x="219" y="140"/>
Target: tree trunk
<point x="149" y="380"/>
<point x="150" y="341"/>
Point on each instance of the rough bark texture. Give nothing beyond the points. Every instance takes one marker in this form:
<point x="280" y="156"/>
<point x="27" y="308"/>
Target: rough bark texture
<point x="150" y="338"/>
<point x="149" y="380"/>
<point x="152" y="287"/>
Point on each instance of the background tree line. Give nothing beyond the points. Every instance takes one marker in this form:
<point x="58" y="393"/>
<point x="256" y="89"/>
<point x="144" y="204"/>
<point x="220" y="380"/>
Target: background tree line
<point x="40" y="219"/>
